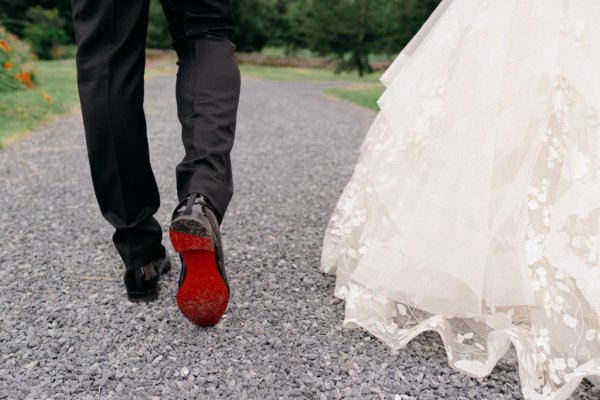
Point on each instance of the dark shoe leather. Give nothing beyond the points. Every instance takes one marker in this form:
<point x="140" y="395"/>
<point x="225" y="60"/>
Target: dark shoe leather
<point x="142" y="282"/>
<point x="195" y="216"/>
<point x="203" y="286"/>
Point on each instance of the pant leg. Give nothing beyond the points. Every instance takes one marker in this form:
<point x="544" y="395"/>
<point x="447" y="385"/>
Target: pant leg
<point x="207" y="91"/>
<point x="111" y="37"/>
<point x="191" y="18"/>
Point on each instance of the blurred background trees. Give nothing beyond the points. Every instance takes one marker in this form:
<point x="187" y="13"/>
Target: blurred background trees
<point x="310" y="37"/>
<point x="351" y="32"/>
<point x="44" y="24"/>
<point x="158" y="30"/>
<point x="254" y="19"/>
<point x="45" y="30"/>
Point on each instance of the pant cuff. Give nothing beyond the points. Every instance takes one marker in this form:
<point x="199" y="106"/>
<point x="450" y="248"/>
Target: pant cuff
<point x="217" y="193"/>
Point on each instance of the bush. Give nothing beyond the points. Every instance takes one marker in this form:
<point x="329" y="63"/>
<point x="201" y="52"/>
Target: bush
<point x="45" y="30"/>
<point x="15" y="72"/>
<point x="158" y="29"/>
<point x="13" y="14"/>
<point x="63" y="51"/>
<point x="253" y="23"/>
<point x="352" y="30"/>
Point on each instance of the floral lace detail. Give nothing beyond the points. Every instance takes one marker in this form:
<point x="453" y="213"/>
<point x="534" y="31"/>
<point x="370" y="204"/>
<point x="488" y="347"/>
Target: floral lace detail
<point x="546" y="189"/>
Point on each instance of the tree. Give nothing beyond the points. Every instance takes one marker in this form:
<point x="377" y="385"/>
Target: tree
<point x="158" y="28"/>
<point x="13" y="14"/>
<point x="45" y="31"/>
<point x="404" y="21"/>
<point x="253" y="23"/>
<point x="352" y="30"/>
<point x="285" y="25"/>
<point x="343" y="28"/>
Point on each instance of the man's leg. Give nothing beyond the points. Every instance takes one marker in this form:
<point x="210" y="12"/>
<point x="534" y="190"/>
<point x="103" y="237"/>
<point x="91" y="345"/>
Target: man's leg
<point x="208" y="89"/>
<point x="111" y="37"/>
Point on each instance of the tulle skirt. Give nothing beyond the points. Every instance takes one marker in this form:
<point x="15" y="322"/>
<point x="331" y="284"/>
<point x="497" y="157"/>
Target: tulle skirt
<point x="474" y="209"/>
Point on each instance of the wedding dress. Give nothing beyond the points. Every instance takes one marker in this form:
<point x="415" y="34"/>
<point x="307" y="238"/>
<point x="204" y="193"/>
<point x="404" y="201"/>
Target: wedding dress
<point x="474" y="210"/>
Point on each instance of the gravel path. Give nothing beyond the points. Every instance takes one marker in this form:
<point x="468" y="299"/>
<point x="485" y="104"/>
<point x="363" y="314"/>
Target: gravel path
<point x="67" y="331"/>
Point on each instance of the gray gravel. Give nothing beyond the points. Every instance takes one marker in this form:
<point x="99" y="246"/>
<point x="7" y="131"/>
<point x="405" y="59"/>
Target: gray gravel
<point x="66" y="330"/>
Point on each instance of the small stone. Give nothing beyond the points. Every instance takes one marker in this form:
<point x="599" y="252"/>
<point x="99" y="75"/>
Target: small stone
<point x="31" y="364"/>
<point x="156" y="360"/>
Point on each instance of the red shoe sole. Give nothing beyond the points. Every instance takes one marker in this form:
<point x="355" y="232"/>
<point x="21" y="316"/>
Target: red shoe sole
<point x="203" y="295"/>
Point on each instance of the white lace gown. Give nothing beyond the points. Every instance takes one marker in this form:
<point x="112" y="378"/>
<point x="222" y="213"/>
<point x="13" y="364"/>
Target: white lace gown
<point x="474" y="210"/>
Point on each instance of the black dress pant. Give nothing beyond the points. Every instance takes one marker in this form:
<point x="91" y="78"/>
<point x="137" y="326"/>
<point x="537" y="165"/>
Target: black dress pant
<point x="111" y="36"/>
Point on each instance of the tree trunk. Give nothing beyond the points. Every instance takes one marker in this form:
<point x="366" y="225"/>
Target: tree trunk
<point x="361" y="55"/>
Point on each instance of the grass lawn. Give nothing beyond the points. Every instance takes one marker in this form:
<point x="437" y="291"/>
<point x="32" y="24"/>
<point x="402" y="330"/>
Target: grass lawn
<point x="365" y="96"/>
<point x="280" y="52"/>
<point x="303" y="53"/>
<point x="25" y="109"/>
<point x="302" y="74"/>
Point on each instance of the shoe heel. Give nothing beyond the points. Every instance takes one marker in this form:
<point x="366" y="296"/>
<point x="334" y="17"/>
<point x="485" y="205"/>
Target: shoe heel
<point x="143" y="297"/>
<point x="203" y="295"/>
<point x="187" y="242"/>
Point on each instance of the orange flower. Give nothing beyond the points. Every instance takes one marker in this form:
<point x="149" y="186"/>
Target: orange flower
<point x="5" y="46"/>
<point x="47" y="98"/>
<point x="25" y="77"/>
<point x="8" y="65"/>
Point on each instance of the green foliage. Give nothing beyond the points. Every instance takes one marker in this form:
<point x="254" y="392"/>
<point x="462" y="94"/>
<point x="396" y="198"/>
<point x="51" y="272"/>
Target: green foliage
<point x="14" y="58"/>
<point x="13" y="14"/>
<point x="285" y="25"/>
<point x="352" y="30"/>
<point x="253" y="24"/>
<point x="344" y="29"/>
<point x="158" y="29"/>
<point x="27" y="109"/>
<point x="403" y="22"/>
<point x="45" y="32"/>
<point x="8" y="83"/>
<point x="55" y="94"/>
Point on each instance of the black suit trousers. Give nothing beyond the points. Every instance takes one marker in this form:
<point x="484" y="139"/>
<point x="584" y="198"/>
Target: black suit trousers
<point x="111" y="39"/>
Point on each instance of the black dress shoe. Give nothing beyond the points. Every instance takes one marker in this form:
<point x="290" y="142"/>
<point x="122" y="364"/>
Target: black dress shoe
<point x="142" y="282"/>
<point x="203" y="287"/>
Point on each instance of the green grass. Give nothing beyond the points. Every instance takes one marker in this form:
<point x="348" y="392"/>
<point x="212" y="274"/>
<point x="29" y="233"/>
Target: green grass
<point x="25" y="110"/>
<point x="302" y="74"/>
<point x="280" y="52"/>
<point x="305" y="53"/>
<point x="365" y="96"/>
